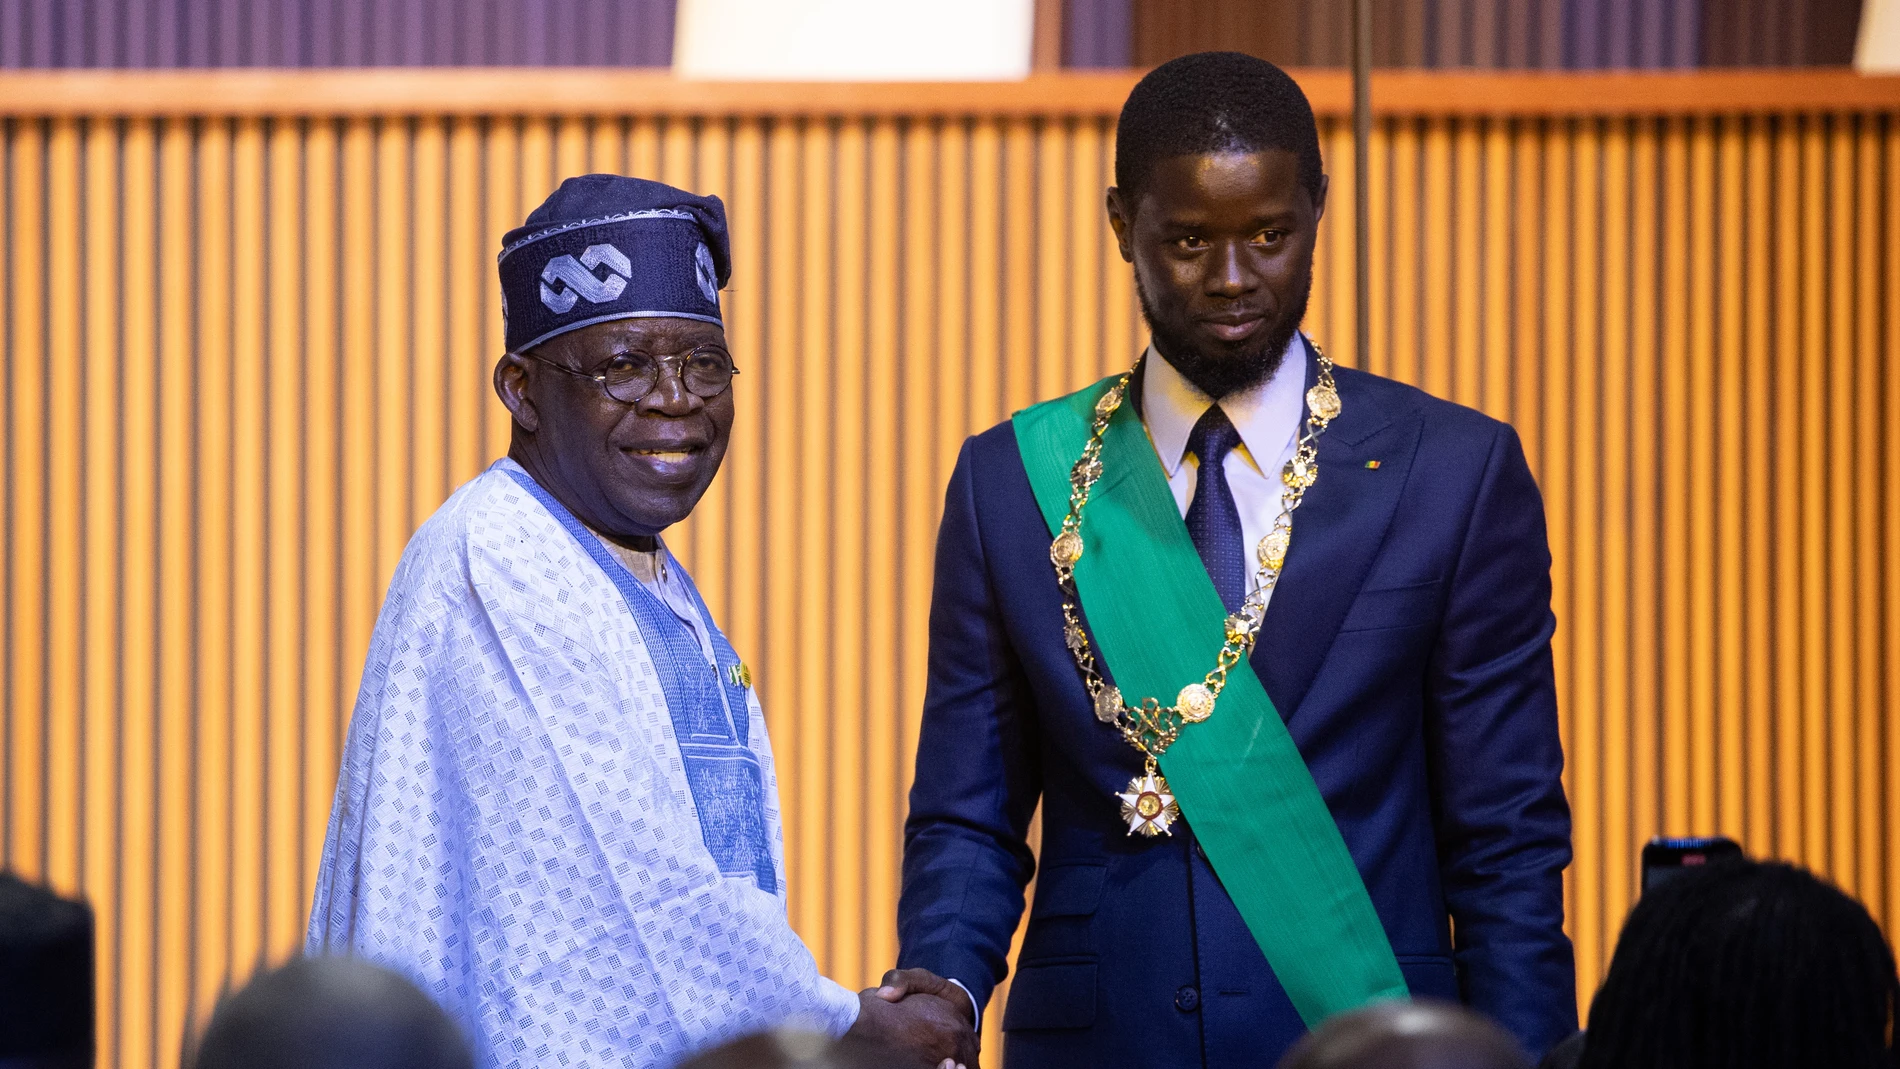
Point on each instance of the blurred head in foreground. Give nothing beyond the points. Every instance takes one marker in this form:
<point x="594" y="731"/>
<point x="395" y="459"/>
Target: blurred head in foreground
<point x="331" y="1013"/>
<point x="790" y="1049"/>
<point x="1741" y="965"/>
<point x="1407" y="1035"/>
<point x="45" y="978"/>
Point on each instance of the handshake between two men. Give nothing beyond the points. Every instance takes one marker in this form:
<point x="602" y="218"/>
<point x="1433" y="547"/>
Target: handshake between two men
<point x="921" y="1016"/>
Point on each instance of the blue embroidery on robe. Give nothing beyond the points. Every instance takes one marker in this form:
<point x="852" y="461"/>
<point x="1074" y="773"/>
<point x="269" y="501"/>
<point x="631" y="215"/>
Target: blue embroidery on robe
<point x="708" y="710"/>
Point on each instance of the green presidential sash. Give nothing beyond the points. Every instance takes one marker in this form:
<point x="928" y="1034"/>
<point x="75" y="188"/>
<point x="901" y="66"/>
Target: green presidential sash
<point x="1237" y="777"/>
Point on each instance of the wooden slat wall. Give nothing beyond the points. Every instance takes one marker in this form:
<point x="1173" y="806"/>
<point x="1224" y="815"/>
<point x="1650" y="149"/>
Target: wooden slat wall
<point x="247" y="356"/>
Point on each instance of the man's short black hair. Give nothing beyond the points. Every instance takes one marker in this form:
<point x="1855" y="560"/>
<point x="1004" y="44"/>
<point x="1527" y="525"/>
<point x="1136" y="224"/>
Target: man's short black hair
<point x="1213" y="102"/>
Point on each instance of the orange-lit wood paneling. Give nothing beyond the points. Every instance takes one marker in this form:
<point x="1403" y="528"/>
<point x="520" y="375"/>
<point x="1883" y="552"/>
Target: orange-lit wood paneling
<point x="247" y="352"/>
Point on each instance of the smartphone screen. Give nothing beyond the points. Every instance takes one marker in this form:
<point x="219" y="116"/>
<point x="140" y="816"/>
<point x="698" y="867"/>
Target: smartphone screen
<point x="1663" y="858"/>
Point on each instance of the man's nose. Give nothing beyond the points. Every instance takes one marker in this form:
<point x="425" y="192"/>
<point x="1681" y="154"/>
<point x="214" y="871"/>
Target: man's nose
<point x="670" y="396"/>
<point x="1229" y="275"/>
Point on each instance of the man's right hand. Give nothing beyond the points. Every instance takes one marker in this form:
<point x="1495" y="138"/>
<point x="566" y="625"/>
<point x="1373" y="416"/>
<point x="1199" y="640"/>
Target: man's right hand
<point x="929" y="1029"/>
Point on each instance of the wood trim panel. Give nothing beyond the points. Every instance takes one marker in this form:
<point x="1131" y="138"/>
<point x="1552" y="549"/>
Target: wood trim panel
<point x="618" y="91"/>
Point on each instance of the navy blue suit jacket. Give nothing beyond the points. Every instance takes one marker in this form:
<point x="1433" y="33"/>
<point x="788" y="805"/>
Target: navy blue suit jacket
<point x="1408" y="648"/>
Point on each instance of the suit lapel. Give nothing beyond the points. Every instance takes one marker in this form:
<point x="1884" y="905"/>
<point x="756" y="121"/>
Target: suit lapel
<point x="1336" y="536"/>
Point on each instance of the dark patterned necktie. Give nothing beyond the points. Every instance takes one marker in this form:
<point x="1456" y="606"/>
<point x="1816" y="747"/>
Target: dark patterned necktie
<point x="1213" y="520"/>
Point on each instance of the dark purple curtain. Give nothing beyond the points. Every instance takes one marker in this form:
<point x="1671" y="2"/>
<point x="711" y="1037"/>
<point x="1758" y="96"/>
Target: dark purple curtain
<point x="335" y="33"/>
<point x="1582" y="34"/>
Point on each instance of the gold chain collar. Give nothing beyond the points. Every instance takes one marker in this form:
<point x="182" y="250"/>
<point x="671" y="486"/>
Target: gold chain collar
<point x="1149" y="726"/>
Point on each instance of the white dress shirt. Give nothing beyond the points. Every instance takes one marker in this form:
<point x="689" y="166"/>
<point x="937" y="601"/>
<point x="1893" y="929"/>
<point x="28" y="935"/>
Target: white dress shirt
<point x="1268" y="419"/>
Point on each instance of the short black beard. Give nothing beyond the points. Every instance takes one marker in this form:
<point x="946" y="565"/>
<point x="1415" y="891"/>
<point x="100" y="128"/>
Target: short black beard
<point x="1220" y="375"/>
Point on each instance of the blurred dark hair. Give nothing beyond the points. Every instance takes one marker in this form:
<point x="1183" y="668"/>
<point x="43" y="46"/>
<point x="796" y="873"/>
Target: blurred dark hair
<point x="46" y="966"/>
<point x="789" y="1048"/>
<point x="331" y="1013"/>
<point x="1746" y="965"/>
<point x="1398" y="1035"/>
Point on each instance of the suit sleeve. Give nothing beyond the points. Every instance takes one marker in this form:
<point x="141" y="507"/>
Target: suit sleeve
<point x="966" y="858"/>
<point x="1497" y="759"/>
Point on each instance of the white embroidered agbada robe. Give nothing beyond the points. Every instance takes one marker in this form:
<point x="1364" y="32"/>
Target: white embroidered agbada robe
<point x="553" y="812"/>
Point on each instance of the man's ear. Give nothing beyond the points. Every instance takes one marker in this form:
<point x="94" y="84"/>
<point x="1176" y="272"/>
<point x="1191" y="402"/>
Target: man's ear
<point x="511" y="385"/>
<point x="1122" y="222"/>
<point x="1319" y="200"/>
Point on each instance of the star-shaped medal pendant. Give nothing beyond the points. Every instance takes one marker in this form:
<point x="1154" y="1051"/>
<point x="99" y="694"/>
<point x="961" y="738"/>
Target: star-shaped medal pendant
<point x="1148" y="806"/>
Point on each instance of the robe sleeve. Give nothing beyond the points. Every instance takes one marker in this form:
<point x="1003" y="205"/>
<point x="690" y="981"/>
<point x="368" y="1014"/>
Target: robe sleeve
<point x="512" y="828"/>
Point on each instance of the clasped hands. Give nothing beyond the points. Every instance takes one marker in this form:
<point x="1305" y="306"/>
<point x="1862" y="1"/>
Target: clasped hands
<point x="918" y="1013"/>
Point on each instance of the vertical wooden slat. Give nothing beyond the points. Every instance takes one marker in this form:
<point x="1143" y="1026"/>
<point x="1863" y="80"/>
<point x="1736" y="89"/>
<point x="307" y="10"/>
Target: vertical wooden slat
<point x="1698" y="485"/>
<point x="24" y="711"/>
<point x="1840" y="447"/>
<point x="1019" y="295"/>
<point x="1791" y="839"/>
<point x="922" y="493"/>
<point x="1439" y="257"/>
<point x="884" y="760"/>
<point x="985" y="356"/>
<point x="1123" y="335"/>
<point x="101" y="382"/>
<point x="1759" y="495"/>
<point x="744" y="467"/>
<point x="469" y="258"/>
<point x="1526" y="296"/>
<point x="810" y="397"/>
<point x="1811" y="532"/>
<point x="1496" y="371"/>
<point x="357" y="570"/>
<point x="288" y="423"/>
<point x="1646" y="415"/>
<point x="847" y="708"/>
<point x="1558" y="506"/>
<point x="63" y="415"/>
<point x="1052" y="355"/>
<point x="782" y="675"/>
<point x="137" y="536"/>
<point x="247" y="487"/>
<point x="211" y="697"/>
<point x="1890" y="519"/>
<point x="420" y="288"/>
<point x="500" y="182"/>
<point x="1083" y="256"/>
<point x="1403" y="359"/>
<point x="1731" y="420"/>
<point x="394" y="196"/>
<point x="11" y="133"/>
<point x="1674" y="455"/>
<point x="324" y="699"/>
<point x="1613" y="528"/>
<point x="1466" y="305"/>
<point x="177" y="650"/>
<point x="1869" y="669"/>
<point x="1586" y="535"/>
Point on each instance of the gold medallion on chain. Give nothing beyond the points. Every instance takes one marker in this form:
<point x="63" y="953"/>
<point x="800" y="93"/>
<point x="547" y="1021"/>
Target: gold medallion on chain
<point x="1148" y="806"/>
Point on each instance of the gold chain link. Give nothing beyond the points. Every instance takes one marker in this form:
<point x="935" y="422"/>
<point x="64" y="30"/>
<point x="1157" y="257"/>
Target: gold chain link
<point x="1150" y="726"/>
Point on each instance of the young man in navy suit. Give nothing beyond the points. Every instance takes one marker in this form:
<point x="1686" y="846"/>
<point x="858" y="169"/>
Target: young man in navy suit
<point x="1269" y="641"/>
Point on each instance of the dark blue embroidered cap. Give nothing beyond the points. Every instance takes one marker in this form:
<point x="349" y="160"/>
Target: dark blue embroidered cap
<point x="604" y="246"/>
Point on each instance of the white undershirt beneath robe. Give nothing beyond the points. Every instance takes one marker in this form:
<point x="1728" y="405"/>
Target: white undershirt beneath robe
<point x="582" y="871"/>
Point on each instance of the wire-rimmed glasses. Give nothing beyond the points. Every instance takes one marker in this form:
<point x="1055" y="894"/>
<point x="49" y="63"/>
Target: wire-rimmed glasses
<point x="706" y="371"/>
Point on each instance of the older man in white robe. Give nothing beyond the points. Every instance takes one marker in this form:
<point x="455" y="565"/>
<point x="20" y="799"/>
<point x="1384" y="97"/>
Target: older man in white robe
<point x="557" y="808"/>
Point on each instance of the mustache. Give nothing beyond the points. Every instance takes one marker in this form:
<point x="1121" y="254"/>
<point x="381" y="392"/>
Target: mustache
<point x="1222" y="373"/>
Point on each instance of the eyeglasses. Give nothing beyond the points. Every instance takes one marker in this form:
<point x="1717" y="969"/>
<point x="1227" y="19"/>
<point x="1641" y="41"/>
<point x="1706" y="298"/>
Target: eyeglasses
<point x="706" y="372"/>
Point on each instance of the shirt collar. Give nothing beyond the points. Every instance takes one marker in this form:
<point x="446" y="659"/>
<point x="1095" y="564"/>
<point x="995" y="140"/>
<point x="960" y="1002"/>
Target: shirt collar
<point x="1267" y="416"/>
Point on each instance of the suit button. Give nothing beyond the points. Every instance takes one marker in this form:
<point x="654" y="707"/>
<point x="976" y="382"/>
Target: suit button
<point x="1187" y="1000"/>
